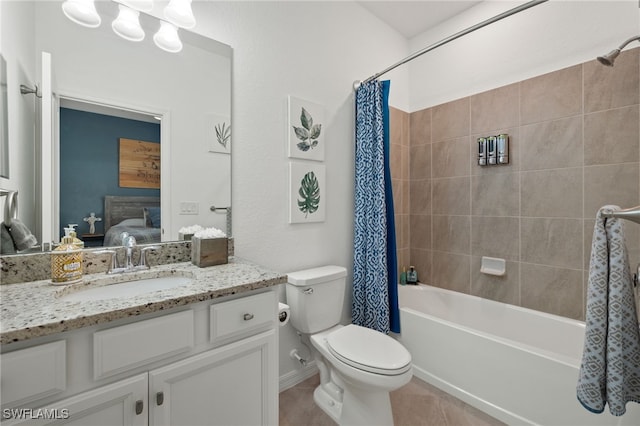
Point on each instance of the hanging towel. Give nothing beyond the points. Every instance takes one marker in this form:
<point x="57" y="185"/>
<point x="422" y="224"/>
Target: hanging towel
<point x="21" y="235"/>
<point x="610" y="370"/>
<point x="6" y="242"/>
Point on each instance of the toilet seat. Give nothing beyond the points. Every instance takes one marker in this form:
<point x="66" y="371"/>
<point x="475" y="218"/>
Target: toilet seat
<point x="369" y="350"/>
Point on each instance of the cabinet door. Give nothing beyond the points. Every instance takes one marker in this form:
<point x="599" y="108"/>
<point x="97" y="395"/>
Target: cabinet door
<point x="235" y="384"/>
<point x="121" y="403"/>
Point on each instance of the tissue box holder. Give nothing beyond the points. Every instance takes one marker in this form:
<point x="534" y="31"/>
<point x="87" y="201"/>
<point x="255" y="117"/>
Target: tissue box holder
<point x="184" y="237"/>
<point x="209" y="251"/>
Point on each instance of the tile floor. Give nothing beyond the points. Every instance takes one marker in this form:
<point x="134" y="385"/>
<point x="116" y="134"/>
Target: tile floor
<point x="415" y="404"/>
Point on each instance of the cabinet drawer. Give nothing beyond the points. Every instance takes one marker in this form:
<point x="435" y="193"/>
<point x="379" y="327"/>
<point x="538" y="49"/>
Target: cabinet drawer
<point x="242" y="315"/>
<point x="33" y="373"/>
<point x="122" y="348"/>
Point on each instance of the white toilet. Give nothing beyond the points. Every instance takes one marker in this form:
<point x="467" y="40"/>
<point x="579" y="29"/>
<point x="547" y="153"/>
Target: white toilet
<point x="358" y="366"/>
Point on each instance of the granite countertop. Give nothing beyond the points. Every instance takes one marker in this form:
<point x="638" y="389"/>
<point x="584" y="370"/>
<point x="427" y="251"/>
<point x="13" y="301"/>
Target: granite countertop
<point x="35" y="309"/>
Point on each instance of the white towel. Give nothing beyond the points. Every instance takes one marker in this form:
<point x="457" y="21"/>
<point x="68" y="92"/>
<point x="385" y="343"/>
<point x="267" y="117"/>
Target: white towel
<point x="610" y="370"/>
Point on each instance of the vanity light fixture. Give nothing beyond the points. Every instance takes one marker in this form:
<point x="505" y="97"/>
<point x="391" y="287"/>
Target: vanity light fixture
<point x="177" y="14"/>
<point x="141" y="5"/>
<point x="127" y="24"/>
<point x="82" y="12"/>
<point x="167" y="37"/>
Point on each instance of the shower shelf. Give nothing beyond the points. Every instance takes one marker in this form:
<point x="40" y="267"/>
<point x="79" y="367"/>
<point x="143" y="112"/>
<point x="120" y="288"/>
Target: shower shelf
<point x="632" y="214"/>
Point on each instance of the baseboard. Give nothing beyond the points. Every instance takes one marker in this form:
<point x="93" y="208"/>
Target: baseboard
<point x="292" y="378"/>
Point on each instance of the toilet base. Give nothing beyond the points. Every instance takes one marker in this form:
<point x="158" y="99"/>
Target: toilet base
<point x="360" y="408"/>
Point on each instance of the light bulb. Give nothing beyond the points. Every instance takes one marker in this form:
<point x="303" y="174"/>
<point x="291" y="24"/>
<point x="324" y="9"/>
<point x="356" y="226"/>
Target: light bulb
<point x="179" y="13"/>
<point x="167" y="37"/>
<point x="82" y="12"/>
<point x="127" y="24"/>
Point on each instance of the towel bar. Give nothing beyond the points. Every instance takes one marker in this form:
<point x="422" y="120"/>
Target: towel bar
<point x="632" y="214"/>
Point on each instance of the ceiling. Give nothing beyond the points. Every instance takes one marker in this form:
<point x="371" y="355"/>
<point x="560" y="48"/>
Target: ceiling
<point x="411" y="18"/>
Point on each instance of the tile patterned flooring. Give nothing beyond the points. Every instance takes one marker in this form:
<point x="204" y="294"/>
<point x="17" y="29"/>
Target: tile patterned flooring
<point x="415" y="404"/>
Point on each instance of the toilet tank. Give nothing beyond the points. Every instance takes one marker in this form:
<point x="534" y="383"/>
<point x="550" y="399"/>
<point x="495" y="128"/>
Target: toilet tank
<point x="316" y="298"/>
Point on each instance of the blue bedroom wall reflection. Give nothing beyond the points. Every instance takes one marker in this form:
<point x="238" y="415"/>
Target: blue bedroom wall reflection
<point x="89" y="163"/>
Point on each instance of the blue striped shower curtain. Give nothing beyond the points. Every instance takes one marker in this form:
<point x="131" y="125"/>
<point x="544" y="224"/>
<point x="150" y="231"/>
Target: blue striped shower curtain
<point x="375" y="293"/>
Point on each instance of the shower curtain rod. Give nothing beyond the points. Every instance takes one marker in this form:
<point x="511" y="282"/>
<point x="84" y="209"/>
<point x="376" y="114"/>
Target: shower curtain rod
<point x="459" y="34"/>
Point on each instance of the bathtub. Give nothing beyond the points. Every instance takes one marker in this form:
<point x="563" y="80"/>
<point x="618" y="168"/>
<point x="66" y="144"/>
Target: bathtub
<point x="517" y="365"/>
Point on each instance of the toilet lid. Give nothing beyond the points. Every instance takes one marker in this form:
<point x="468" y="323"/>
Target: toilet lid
<point x="369" y="350"/>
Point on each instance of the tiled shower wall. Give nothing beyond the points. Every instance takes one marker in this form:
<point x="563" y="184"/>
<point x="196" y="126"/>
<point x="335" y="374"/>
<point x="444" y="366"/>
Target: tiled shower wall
<point x="574" y="147"/>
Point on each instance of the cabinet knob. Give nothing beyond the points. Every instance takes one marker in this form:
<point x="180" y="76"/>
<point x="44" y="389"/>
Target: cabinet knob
<point x="159" y="398"/>
<point x="248" y="317"/>
<point x="139" y="406"/>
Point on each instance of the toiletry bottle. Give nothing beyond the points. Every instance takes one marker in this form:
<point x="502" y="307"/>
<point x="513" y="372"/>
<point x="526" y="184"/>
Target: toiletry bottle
<point x="412" y="276"/>
<point x="66" y="262"/>
<point x="403" y="276"/>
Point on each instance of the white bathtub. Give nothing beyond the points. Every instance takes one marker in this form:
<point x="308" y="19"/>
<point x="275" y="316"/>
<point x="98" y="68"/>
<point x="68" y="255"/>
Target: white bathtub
<point x="518" y="365"/>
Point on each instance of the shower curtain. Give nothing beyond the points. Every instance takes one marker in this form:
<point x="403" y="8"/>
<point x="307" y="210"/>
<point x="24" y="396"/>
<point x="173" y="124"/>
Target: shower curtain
<point x="375" y="293"/>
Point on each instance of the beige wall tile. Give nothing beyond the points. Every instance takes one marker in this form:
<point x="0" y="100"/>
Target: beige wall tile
<point x="496" y="195"/>
<point x="451" y="158"/>
<point x="495" y="109"/>
<point x="552" y="193"/>
<point x="612" y="87"/>
<point x="550" y="96"/>
<point x="420" y="197"/>
<point x="612" y="136"/>
<point x="451" y="196"/>
<point x="554" y="290"/>
<point x="406" y="206"/>
<point x="495" y="237"/>
<point x="553" y="242"/>
<point x="451" y="271"/>
<point x="551" y="144"/>
<point x="505" y="289"/>
<point x="452" y="233"/>
<point x="450" y="120"/>
<point x="404" y="162"/>
<point x="420" y="231"/>
<point x="420" y="162"/>
<point x="395" y="160"/>
<point x="396" y="185"/>
<point x="616" y="184"/>
<point x="420" y="127"/>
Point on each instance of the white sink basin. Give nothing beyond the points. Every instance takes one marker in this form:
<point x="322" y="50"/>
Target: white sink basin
<point x="126" y="289"/>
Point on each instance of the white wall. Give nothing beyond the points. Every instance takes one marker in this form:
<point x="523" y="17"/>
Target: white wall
<point x="315" y="51"/>
<point x="545" y="38"/>
<point x="16" y="46"/>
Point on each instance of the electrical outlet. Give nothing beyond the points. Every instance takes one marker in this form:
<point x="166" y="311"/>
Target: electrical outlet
<point x="189" y="207"/>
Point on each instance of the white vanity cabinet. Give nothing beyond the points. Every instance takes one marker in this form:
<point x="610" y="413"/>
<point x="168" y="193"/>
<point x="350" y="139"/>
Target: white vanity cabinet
<point x="207" y="364"/>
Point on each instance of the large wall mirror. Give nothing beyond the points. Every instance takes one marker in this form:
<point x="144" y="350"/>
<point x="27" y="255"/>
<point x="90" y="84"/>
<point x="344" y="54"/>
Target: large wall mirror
<point x="137" y="131"/>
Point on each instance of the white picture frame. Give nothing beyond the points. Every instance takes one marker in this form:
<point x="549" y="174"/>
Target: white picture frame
<point x="218" y="133"/>
<point x="305" y="129"/>
<point x="307" y="193"/>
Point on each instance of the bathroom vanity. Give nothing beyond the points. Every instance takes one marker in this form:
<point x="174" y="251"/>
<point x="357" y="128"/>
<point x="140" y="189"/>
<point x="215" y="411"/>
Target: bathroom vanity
<point x="204" y="352"/>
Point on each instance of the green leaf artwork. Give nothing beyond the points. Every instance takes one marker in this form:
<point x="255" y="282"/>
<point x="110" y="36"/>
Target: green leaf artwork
<point x="223" y="134"/>
<point x="308" y="133"/>
<point x="310" y="193"/>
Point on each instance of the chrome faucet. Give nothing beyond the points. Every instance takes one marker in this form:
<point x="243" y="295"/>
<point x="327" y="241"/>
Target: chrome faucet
<point x="129" y="243"/>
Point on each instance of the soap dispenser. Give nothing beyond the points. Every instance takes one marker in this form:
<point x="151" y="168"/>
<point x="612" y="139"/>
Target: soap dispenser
<point x="70" y="231"/>
<point x="412" y="276"/>
<point x="66" y="262"/>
